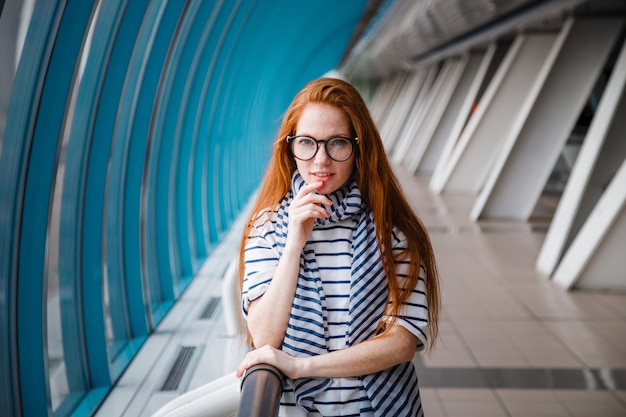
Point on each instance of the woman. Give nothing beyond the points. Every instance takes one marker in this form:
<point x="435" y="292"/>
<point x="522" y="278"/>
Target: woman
<point x="339" y="282"/>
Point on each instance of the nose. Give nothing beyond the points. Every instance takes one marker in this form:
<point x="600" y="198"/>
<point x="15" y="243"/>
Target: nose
<point x="321" y="157"/>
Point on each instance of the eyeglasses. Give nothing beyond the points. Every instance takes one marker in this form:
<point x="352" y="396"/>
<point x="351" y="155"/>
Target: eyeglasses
<point x="337" y="148"/>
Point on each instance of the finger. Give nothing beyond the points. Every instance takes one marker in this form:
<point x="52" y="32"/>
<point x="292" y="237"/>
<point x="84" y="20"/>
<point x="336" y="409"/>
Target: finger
<point x="312" y="198"/>
<point x="318" y="199"/>
<point x="244" y="366"/>
<point x="309" y="188"/>
<point x="310" y="211"/>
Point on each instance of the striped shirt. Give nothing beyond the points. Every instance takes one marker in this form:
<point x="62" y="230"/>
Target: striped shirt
<point x="327" y="315"/>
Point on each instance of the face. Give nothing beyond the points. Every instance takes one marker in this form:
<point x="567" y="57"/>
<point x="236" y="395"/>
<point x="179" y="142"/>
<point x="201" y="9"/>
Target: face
<point x="324" y="121"/>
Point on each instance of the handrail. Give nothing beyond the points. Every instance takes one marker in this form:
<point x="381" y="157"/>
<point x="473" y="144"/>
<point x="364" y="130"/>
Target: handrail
<point x="261" y="389"/>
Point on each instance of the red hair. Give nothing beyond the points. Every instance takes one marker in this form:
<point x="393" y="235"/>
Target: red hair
<point x="379" y="187"/>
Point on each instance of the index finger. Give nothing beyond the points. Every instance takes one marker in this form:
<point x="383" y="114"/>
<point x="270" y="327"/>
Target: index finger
<point x="309" y="188"/>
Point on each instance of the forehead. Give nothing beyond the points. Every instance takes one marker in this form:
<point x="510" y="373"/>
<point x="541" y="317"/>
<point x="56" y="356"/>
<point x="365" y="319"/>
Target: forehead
<point x="322" y="120"/>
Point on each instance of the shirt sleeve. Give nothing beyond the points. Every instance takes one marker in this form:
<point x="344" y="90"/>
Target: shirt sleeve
<point x="413" y="313"/>
<point x="260" y="263"/>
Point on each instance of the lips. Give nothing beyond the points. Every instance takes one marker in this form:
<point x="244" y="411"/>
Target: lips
<point x="322" y="176"/>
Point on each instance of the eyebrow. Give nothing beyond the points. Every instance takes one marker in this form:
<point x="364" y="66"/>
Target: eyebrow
<point x="349" y="136"/>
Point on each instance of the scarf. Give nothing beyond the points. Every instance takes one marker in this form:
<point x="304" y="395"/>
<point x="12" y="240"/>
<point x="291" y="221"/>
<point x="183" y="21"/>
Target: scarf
<point x="307" y="330"/>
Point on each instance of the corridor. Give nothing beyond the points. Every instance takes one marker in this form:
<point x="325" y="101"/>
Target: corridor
<point x="512" y="343"/>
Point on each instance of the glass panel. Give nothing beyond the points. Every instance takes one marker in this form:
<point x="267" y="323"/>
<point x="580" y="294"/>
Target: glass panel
<point x="65" y="343"/>
<point x="56" y="359"/>
<point x="15" y="17"/>
<point x="61" y="298"/>
<point x="115" y="314"/>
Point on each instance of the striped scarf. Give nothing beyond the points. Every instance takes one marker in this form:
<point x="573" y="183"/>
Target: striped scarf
<point x="391" y="392"/>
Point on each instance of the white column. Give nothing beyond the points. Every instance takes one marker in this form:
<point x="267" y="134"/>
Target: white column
<point x="502" y="101"/>
<point x="530" y="150"/>
<point x="401" y="107"/>
<point x="440" y="97"/>
<point x="375" y="102"/>
<point x="384" y="96"/>
<point x="459" y="110"/>
<point x="596" y="260"/>
<point x="603" y="143"/>
<point x="415" y="117"/>
<point x="411" y="136"/>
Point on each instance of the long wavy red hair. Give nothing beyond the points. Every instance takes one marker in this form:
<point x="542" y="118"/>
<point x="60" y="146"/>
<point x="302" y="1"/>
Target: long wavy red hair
<point x="379" y="187"/>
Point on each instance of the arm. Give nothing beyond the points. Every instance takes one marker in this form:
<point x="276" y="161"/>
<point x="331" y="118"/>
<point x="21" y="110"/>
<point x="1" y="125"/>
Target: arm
<point x="392" y="348"/>
<point x="268" y="315"/>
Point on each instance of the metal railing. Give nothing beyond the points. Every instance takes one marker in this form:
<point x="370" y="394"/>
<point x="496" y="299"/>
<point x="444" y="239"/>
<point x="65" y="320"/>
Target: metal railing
<point x="261" y="389"/>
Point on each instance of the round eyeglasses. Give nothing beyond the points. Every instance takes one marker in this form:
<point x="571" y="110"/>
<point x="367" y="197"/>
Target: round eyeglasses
<point x="338" y="148"/>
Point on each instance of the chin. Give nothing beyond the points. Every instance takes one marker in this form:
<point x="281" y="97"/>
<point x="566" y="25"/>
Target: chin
<point x="327" y="189"/>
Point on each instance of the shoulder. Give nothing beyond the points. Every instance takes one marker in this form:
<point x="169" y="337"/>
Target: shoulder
<point x="261" y="218"/>
<point x="262" y="222"/>
<point x="270" y="219"/>
<point x="398" y="238"/>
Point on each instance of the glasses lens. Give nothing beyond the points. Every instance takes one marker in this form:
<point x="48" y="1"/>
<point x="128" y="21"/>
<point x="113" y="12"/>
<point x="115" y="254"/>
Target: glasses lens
<point x="304" y="147"/>
<point x="339" y="148"/>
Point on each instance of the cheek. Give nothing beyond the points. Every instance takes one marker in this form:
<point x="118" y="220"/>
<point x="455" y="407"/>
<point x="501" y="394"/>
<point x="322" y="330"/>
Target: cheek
<point x="348" y="171"/>
<point x="301" y="165"/>
<point x="352" y="166"/>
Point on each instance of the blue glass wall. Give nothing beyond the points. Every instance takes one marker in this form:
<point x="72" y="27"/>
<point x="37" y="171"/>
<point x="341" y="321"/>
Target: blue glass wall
<point x="136" y="132"/>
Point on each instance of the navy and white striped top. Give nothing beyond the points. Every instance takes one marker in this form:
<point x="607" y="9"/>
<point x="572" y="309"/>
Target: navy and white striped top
<point x="340" y="299"/>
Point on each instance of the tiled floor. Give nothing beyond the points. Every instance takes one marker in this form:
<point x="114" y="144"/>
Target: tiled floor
<point x="513" y="343"/>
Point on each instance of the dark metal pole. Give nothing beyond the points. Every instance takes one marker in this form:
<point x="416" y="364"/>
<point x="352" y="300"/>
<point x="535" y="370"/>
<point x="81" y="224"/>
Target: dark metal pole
<point x="261" y="389"/>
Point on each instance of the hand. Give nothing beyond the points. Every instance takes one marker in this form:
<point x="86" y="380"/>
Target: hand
<point x="304" y="209"/>
<point x="268" y="355"/>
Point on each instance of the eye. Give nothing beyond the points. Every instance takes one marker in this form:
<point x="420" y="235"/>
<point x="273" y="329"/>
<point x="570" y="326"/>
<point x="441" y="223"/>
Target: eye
<point x="339" y="142"/>
<point x="304" y="141"/>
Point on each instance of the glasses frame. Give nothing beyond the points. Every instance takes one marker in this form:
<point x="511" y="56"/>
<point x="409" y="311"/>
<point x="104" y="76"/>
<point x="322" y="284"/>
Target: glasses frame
<point x="290" y="139"/>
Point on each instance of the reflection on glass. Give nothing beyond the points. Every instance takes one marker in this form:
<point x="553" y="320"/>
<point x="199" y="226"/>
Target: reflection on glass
<point x="115" y="314"/>
<point x="56" y="360"/>
<point x="66" y="344"/>
<point x="14" y="20"/>
<point x="60" y="299"/>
